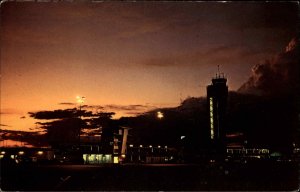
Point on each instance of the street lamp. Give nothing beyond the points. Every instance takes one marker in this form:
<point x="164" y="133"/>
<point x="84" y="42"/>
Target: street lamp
<point x="159" y="115"/>
<point x="80" y="100"/>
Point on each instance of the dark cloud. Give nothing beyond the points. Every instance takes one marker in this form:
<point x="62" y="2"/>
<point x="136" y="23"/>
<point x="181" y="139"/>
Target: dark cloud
<point x="277" y="76"/>
<point x="273" y="106"/>
<point x="94" y="106"/>
<point x="33" y="138"/>
<point x="59" y="114"/>
<point x="3" y="125"/>
<point x="132" y="110"/>
<point x="127" y="107"/>
<point x="225" y="54"/>
<point x="133" y="113"/>
<point x="67" y="103"/>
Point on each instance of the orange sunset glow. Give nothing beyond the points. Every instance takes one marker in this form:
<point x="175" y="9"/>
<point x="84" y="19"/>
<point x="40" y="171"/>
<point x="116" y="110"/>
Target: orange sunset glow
<point x="128" y="57"/>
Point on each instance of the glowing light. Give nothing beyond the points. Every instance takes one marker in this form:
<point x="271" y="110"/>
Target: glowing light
<point x="150" y="146"/>
<point x="123" y="155"/>
<point x="40" y="152"/>
<point x="2" y="152"/>
<point x="211" y="114"/>
<point x="182" y="137"/>
<point x="158" y="146"/>
<point x="160" y="115"/>
<point x="116" y="160"/>
<point x="141" y="145"/>
<point x="130" y="145"/>
<point x="80" y="99"/>
<point x="166" y="147"/>
<point x="21" y="152"/>
<point x="84" y="158"/>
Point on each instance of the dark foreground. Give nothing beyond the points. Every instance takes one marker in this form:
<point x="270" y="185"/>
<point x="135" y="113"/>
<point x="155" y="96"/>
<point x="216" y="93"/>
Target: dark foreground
<point x="262" y="176"/>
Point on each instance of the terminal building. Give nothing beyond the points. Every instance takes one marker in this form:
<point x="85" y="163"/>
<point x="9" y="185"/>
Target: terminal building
<point x="112" y="147"/>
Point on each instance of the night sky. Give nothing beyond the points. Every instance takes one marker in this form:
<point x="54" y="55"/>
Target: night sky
<point x="130" y="57"/>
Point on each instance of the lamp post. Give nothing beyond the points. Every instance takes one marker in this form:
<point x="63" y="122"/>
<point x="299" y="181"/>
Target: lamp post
<point x="80" y="100"/>
<point x="159" y="115"/>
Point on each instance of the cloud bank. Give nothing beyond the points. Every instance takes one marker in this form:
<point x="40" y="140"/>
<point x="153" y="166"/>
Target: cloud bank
<point x="276" y="76"/>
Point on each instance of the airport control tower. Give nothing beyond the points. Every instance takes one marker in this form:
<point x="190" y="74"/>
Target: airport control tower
<point x="217" y="94"/>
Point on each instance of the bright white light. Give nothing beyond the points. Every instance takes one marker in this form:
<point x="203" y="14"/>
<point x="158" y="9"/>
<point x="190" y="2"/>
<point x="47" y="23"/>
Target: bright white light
<point x="116" y="160"/>
<point x="80" y="99"/>
<point x="40" y="152"/>
<point x="211" y="114"/>
<point x="130" y="145"/>
<point x="182" y="137"/>
<point x="2" y="152"/>
<point x="21" y="152"/>
<point x="158" y="146"/>
<point x="160" y="115"/>
<point x="150" y="146"/>
<point x="141" y="145"/>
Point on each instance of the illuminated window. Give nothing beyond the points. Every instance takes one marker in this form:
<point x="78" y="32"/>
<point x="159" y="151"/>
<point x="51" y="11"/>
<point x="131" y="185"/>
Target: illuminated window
<point x="211" y="116"/>
<point x="91" y="158"/>
<point x="84" y="158"/>
<point x="116" y="159"/>
<point x="108" y="159"/>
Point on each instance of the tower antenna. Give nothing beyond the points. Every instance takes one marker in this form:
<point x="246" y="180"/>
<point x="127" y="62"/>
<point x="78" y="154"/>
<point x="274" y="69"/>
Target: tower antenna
<point x="218" y="70"/>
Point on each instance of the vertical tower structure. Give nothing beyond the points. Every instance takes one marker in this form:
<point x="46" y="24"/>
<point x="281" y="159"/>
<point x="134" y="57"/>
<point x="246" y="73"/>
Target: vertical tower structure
<point x="217" y="94"/>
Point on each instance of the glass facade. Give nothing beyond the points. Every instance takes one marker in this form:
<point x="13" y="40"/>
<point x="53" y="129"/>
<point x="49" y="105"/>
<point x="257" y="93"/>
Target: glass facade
<point x="97" y="158"/>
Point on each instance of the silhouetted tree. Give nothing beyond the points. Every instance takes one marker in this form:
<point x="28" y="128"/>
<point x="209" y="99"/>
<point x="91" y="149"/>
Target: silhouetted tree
<point x="67" y="125"/>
